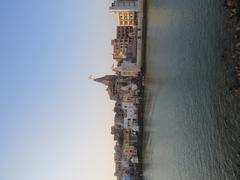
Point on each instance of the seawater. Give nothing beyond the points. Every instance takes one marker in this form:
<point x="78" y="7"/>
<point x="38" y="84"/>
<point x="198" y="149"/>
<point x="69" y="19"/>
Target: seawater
<point x="192" y="123"/>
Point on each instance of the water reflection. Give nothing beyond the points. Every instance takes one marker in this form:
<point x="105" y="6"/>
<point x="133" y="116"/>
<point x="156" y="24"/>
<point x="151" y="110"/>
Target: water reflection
<point x="191" y="121"/>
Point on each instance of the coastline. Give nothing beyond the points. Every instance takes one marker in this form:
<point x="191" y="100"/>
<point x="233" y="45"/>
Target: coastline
<point x="141" y="59"/>
<point x="128" y="90"/>
<point x="232" y="60"/>
<point x="142" y="66"/>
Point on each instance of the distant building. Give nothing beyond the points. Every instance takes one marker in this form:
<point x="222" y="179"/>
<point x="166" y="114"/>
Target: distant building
<point x="129" y="106"/>
<point x="129" y="88"/>
<point x="126" y="12"/>
<point x="127" y="69"/>
<point x="130" y="121"/>
<point x="129" y="151"/>
<point x="117" y="132"/>
<point x="125" y="44"/>
<point x="128" y="97"/>
<point x="109" y="80"/>
<point x="124" y="88"/>
<point x="115" y="84"/>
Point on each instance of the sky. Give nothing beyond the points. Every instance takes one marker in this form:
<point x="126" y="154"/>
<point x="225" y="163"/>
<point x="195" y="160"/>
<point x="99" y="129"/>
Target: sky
<point x="54" y="121"/>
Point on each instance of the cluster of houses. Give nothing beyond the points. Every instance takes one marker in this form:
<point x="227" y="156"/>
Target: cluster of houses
<point x="125" y="88"/>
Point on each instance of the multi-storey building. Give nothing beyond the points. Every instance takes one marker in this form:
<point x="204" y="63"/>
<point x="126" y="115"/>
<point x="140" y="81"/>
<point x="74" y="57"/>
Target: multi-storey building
<point x="127" y="69"/>
<point x="125" y="44"/>
<point x="126" y="12"/>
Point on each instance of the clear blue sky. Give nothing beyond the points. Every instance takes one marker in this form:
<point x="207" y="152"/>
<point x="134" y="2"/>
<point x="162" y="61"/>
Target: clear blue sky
<point x="54" y="122"/>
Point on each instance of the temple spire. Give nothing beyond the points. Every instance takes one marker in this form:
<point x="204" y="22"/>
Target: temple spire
<point x="106" y="80"/>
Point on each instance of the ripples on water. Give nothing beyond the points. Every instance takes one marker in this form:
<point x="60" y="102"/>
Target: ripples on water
<point x="191" y="121"/>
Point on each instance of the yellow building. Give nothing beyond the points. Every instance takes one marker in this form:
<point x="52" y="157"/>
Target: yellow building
<point x="126" y="12"/>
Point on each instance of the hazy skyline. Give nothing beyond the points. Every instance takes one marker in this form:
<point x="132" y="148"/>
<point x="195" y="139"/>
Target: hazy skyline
<point x="55" y="123"/>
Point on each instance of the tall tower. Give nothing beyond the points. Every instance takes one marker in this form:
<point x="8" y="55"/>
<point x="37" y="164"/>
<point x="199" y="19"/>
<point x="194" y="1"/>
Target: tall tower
<point x="106" y="80"/>
<point x="109" y="81"/>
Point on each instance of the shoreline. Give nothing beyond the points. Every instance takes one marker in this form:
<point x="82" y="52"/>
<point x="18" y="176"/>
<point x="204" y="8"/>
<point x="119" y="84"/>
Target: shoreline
<point x="232" y="59"/>
<point x="127" y="86"/>
<point x="143" y="68"/>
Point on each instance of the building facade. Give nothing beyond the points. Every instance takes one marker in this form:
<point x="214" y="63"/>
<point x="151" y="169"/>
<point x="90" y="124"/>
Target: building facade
<point x="125" y="11"/>
<point x="125" y="44"/>
<point x="127" y="69"/>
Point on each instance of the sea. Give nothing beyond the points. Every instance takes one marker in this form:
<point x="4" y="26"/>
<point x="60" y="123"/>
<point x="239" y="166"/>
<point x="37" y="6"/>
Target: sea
<point x="191" y="121"/>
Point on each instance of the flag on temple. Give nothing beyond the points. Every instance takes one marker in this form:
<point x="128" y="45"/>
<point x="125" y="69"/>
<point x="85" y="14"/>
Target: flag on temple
<point x="90" y="77"/>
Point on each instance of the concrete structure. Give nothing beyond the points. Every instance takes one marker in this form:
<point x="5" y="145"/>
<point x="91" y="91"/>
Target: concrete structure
<point x="129" y="151"/>
<point x="134" y="160"/>
<point x="130" y="88"/>
<point x="130" y="121"/>
<point x="127" y="69"/>
<point x="125" y="44"/>
<point x="140" y="28"/>
<point x="126" y="12"/>
<point x="117" y="132"/>
<point x="128" y="97"/>
<point x="129" y="107"/>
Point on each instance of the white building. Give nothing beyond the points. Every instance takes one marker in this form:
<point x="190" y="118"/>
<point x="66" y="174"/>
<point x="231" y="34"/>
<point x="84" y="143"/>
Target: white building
<point x="129" y="87"/>
<point x="124" y="163"/>
<point x="134" y="160"/>
<point x="130" y="121"/>
<point x="128" y="106"/>
<point x="127" y="69"/>
<point x="131" y="124"/>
